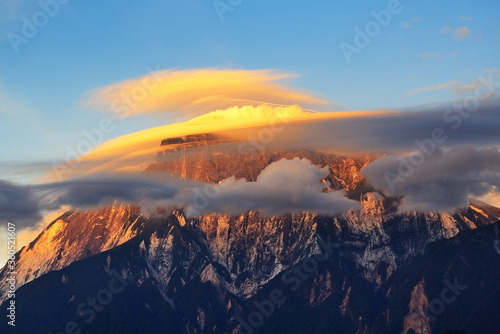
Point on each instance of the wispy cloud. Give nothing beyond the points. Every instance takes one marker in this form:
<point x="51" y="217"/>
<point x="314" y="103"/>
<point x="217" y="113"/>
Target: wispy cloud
<point x="429" y="54"/>
<point x="495" y="71"/>
<point x="446" y="29"/>
<point x="439" y="87"/>
<point x="466" y="18"/>
<point x="460" y="88"/>
<point x="408" y="25"/>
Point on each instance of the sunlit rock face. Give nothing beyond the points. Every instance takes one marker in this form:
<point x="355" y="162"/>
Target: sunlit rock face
<point x="74" y="236"/>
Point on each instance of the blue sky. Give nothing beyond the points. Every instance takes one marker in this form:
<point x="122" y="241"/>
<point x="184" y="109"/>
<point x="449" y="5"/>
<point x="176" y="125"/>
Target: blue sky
<point x="92" y="44"/>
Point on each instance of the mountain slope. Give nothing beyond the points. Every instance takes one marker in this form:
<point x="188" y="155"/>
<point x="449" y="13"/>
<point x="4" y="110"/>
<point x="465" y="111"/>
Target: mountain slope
<point x="176" y="286"/>
<point x="74" y="236"/>
<point x="455" y="284"/>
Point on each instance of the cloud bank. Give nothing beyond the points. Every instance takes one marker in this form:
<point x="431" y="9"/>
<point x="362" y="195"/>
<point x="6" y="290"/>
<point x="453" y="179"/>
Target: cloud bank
<point x="443" y="181"/>
<point x="19" y="204"/>
<point x="24" y="204"/>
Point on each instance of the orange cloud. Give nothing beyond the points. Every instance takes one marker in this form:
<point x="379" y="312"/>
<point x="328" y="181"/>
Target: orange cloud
<point x="133" y="152"/>
<point x="198" y="91"/>
<point x="350" y="133"/>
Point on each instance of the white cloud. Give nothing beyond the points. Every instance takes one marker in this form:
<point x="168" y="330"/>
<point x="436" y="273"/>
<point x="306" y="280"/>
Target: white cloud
<point x="285" y="186"/>
<point x="407" y="25"/>
<point x="466" y="18"/>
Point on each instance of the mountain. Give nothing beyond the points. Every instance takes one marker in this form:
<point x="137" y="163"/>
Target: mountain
<point x="180" y="283"/>
<point x="363" y="271"/>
